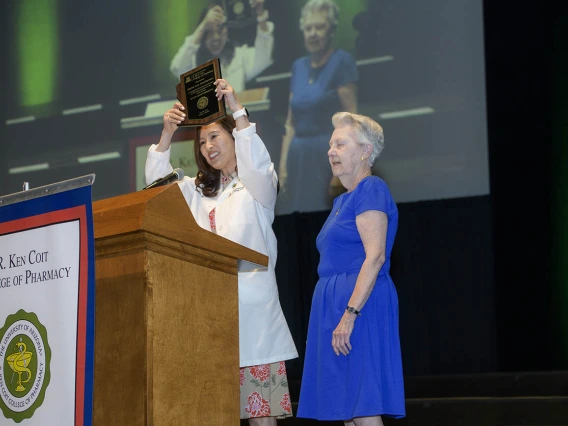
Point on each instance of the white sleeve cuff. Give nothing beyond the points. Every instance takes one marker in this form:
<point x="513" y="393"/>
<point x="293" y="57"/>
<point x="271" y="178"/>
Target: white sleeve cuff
<point x="157" y="155"/>
<point x="247" y="131"/>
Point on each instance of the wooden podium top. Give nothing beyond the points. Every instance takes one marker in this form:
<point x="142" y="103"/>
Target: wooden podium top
<point x="163" y="211"/>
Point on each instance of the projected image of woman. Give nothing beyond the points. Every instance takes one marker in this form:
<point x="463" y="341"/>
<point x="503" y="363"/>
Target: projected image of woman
<point x="322" y="83"/>
<point x="211" y="39"/>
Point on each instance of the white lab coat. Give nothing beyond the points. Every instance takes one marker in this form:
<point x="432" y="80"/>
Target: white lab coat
<point x="244" y="214"/>
<point x="248" y="62"/>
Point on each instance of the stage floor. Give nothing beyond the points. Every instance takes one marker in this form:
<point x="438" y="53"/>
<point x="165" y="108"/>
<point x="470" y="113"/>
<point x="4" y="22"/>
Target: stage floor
<point x="500" y="399"/>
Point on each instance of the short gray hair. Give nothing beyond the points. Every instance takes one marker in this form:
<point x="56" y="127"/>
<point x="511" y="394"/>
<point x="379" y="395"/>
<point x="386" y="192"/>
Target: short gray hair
<point x="328" y="6"/>
<point x="367" y="132"/>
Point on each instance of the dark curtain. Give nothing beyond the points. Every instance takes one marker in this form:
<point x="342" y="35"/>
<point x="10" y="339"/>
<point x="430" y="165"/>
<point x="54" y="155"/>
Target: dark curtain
<point x="521" y="56"/>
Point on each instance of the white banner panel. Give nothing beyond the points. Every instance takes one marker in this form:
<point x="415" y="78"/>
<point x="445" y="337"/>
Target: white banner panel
<point x="39" y="271"/>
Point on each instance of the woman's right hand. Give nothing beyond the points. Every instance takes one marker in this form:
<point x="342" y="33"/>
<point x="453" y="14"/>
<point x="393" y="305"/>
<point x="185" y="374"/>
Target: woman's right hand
<point x="258" y="5"/>
<point x="215" y="17"/>
<point x="173" y="117"/>
<point x="340" y="340"/>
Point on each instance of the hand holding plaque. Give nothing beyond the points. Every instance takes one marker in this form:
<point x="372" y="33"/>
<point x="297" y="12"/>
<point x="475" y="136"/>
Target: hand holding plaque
<point x="196" y="92"/>
<point x="239" y="13"/>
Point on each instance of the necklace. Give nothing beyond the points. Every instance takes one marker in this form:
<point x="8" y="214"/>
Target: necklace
<point x="226" y="180"/>
<point x="313" y="74"/>
<point x="316" y="65"/>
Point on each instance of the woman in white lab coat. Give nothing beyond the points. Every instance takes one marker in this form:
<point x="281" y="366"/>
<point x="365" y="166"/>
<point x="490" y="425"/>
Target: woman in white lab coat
<point x="234" y="194"/>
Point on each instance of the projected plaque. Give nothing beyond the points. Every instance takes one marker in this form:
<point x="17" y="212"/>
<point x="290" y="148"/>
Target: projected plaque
<point x="239" y="13"/>
<point x="196" y="92"/>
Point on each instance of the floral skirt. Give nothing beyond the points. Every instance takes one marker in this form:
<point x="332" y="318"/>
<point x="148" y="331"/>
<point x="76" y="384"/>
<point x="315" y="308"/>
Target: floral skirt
<point x="264" y="391"/>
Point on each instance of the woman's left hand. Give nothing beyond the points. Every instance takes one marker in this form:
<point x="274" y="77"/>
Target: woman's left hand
<point x="225" y="90"/>
<point x="342" y="333"/>
<point x="258" y="5"/>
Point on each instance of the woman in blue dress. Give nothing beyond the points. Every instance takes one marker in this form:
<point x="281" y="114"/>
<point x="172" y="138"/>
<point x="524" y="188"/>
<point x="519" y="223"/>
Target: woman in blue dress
<point x="322" y="83"/>
<point x="353" y="366"/>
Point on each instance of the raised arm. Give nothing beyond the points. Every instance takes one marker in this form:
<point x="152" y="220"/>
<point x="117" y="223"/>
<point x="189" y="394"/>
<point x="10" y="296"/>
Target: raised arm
<point x="157" y="164"/>
<point x="259" y="57"/>
<point x="158" y="157"/>
<point x="185" y="59"/>
<point x="255" y="168"/>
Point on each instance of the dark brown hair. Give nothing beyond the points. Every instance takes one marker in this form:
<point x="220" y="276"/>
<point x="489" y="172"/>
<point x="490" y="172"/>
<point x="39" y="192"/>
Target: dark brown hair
<point x="209" y="178"/>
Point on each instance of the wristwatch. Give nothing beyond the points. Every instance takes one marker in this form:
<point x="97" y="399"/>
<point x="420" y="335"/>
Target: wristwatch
<point x="240" y="113"/>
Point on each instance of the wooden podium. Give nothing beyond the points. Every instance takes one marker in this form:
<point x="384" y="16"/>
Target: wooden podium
<point x="166" y="314"/>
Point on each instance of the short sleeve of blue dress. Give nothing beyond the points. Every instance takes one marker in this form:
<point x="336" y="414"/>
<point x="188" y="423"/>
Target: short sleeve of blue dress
<point x="349" y="73"/>
<point x="372" y="194"/>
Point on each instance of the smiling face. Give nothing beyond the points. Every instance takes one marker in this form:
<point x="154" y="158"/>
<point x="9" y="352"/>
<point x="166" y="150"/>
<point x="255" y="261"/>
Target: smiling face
<point x="317" y="32"/>
<point x="216" y="38"/>
<point x="345" y="155"/>
<point x="218" y="148"/>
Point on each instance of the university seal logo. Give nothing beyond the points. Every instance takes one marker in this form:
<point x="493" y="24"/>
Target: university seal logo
<point x="202" y="102"/>
<point x="25" y="358"/>
<point x="238" y="8"/>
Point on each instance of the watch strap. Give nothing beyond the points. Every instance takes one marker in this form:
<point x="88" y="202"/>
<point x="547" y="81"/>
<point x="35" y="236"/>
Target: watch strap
<point x="240" y="113"/>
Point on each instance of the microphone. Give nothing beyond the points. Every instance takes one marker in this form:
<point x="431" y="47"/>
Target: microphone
<point x="174" y="176"/>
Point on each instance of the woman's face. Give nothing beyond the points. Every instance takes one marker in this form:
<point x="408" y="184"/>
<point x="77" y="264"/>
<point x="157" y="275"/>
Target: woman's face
<point x="345" y="152"/>
<point x="218" y="148"/>
<point x="216" y="38"/>
<point x="317" y="32"/>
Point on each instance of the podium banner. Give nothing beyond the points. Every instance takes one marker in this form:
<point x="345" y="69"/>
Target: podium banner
<point x="47" y="309"/>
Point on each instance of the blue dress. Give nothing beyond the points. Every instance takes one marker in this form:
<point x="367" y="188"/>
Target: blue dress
<point x="368" y="381"/>
<point x="314" y="101"/>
